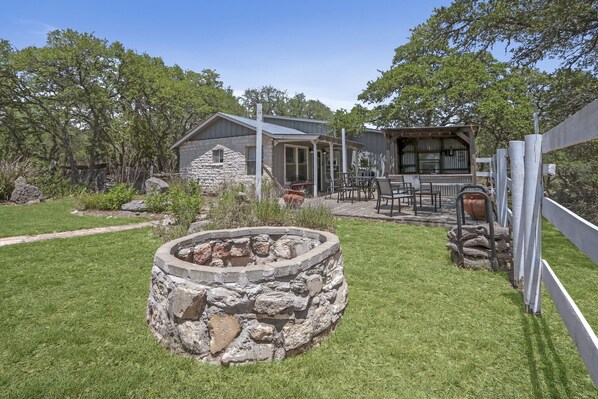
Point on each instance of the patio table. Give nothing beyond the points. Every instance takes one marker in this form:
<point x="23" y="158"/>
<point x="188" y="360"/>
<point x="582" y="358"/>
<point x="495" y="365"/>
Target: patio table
<point x="365" y="184"/>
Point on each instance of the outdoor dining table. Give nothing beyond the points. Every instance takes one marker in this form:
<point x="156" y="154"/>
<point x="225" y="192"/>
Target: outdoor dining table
<point x="363" y="184"/>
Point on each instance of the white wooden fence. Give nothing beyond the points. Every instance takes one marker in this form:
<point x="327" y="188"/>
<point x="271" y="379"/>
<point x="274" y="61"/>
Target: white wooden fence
<point x="529" y="205"/>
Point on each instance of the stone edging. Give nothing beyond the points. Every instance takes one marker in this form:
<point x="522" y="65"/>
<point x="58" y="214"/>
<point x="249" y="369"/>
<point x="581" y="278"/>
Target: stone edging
<point x="170" y="264"/>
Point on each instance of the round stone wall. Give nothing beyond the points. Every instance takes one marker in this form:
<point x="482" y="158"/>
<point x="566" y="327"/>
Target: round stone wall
<point x="246" y="295"/>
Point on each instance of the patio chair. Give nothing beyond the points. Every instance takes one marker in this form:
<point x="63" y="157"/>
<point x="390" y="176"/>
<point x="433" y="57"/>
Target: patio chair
<point x="347" y="186"/>
<point x="386" y="192"/>
<point x="425" y="189"/>
<point x="334" y="187"/>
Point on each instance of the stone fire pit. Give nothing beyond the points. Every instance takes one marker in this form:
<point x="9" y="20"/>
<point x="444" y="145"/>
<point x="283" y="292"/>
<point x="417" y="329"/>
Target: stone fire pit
<point x="246" y="295"/>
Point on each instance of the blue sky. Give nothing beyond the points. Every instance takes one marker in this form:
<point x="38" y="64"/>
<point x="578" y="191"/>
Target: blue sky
<point x="328" y="50"/>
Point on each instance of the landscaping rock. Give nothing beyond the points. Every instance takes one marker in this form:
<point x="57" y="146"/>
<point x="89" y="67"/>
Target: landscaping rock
<point x="153" y="184"/>
<point x="261" y="245"/>
<point x="274" y="302"/>
<point x="134" y="206"/>
<point x="187" y="304"/>
<point x="26" y="193"/>
<point x="202" y="254"/>
<point x="263" y="332"/>
<point x="196" y="227"/>
<point x="240" y="248"/>
<point x="223" y="329"/>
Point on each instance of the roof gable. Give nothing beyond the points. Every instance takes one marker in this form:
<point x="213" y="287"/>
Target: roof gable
<point x="269" y="129"/>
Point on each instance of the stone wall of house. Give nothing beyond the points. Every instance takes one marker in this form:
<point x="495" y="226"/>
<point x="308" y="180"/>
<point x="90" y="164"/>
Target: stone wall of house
<point x="196" y="161"/>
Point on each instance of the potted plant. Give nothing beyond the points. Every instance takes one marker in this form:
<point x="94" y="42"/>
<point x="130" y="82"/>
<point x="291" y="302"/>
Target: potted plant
<point x="293" y="198"/>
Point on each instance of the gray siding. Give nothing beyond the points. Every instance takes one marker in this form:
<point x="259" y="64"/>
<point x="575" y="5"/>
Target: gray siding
<point x="222" y="128"/>
<point x="278" y="162"/>
<point x="304" y="126"/>
<point x="374" y="150"/>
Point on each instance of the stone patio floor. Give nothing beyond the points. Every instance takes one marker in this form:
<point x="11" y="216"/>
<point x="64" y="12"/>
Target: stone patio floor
<point x="445" y="216"/>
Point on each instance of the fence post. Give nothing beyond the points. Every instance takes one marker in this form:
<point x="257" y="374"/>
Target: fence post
<point x="501" y="186"/>
<point x="516" y="151"/>
<point x="532" y="222"/>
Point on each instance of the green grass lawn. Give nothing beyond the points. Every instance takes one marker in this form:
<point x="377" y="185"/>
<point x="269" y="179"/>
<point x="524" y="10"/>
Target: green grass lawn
<point x="49" y="217"/>
<point x="73" y="325"/>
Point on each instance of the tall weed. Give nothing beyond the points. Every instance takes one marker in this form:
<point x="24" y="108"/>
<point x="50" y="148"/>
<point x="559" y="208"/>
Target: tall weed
<point x="10" y="170"/>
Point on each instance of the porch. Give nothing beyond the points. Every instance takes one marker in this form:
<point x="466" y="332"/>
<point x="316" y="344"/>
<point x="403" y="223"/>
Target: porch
<point x="445" y="216"/>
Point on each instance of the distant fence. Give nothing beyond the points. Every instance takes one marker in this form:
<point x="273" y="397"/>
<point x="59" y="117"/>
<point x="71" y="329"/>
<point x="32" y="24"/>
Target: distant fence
<point x="529" y="205"/>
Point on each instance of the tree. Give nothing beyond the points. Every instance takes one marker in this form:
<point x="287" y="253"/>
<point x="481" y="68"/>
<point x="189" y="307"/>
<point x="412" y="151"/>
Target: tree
<point x="530" y="30"/>
<point x="277" y="102"/>
<point x="352" y="121"/>
<point x="438" y="86"/>
<point x="82" y="99"/>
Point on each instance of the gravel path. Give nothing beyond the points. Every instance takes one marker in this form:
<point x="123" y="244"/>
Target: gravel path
<point x="68" y="234"/>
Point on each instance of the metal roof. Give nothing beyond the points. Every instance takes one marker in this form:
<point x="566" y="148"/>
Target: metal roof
<point x="270" y="129"/>
<point x="267" y="127"/>
<point x="277" y="132"/>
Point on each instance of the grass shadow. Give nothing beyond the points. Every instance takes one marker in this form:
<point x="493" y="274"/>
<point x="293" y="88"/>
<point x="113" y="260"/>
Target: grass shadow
<point x="543" y="360"/>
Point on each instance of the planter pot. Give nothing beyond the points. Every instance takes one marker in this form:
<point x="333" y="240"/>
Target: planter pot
<point x="474" y="205"/>
<point x="293" y="198"/>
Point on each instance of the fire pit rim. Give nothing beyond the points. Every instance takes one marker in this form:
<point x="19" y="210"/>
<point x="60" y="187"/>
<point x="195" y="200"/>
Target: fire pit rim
<point x="170" y="264"/>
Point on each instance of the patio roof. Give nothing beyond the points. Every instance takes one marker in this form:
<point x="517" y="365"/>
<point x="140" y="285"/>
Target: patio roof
<point x="431" y="131"/>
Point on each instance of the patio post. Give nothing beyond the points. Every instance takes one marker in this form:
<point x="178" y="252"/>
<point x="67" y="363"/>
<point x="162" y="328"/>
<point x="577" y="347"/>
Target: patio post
<point x="331" y="168"/>
<point x="258" y="153"/>
<point x="315" y="144"/>
<point x="387" y="154"/>
<point x="516" y="149"/>
<point x="501" y="186"/>
<point x="344" y="145"/>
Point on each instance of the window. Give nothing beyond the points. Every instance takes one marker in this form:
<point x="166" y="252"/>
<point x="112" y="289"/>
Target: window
<point x="250" y="158"/>
<point x="295" y="163"/>
<point x="218" y="156"/>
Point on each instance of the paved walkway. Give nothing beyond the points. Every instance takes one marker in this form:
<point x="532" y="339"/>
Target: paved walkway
<point x="67" y="234"/>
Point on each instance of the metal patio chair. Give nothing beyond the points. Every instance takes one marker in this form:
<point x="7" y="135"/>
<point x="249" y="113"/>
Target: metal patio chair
<point x="386" y="192"/>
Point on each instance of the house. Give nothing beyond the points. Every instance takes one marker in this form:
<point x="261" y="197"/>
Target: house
<point x="222" y="148"/>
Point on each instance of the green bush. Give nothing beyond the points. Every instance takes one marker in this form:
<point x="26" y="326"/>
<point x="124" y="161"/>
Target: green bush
<point x="157" y="202"/>
<point x="111" y="201"/>
<point x="186" y="202"/>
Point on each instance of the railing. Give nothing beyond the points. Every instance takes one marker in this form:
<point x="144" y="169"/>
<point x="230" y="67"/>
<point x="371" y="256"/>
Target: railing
<point x="529" y="205"/>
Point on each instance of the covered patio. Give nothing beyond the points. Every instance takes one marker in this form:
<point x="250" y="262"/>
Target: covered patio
<point x="312" y="158"/>
<point x="442" y="155"/>
<point x="445" y="216"/>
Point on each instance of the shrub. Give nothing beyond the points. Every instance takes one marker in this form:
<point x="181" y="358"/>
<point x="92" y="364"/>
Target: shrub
<point x="229" y="211"/>
<point x="157" y="202"/>
<point x="317" y="218"/>
<point x="186" y="202"/>
<point x="111" y="201"/>
<point x="10" y="170"/>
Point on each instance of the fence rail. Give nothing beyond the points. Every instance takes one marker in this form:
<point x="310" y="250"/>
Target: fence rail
<point x="529" y="205"/>
<point x="580" y="330"/>
<point x="581" y="232"/>
<point x="581" y="127"/>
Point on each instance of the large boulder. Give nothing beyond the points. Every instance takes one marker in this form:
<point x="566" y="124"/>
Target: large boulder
<point x="26" y="193"/>
<point x="155" y="185"/>
<point x="134" y="206"/>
